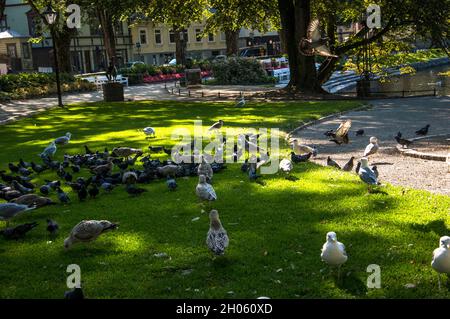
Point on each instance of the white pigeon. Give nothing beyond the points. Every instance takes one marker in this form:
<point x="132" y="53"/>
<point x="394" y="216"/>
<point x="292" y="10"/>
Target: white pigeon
<point x="286" y="165"/>
<point x="217" y="237"/>
<point x="63" y="140"/>
<point x="441" y="258"/>
<point x="149" y="131"/>
<point x="333" y="252"/>
<point x="204" y="190"/>
<point x="300" y="149"/>
<point x="49" y="150"/>
<point x="88" y="230"/>
<point x="241" y="102"/>
<point x="372" y="147"/>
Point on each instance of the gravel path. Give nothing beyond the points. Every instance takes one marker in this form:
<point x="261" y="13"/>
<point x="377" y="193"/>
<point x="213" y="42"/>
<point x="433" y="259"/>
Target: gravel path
<point x="384" y="120"/>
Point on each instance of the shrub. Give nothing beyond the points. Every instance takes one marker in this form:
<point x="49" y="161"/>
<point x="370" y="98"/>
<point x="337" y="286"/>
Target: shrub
<point x="240" y="71"/>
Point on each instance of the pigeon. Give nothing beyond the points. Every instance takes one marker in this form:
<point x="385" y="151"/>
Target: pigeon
<point x="52" y="227"/>
<point x="107" y="186"/>
<point x="126" y="151"/>
<point x="13" y="168"/>
<point x="171" y="183"/>
<point x="441" y="258"/>
<point x="204" y="168"/>
<point x="300" y="149"/>
<point x="38" y="168"/>
<point x="82" y="193"/>
<point x="333" y="252"/>
<point x="75" y="168"/>
<point x="358" y="166"/>
<point x="423" y="131"/>
<point x="10" y="210"/>
<point x="349" y="165"/>
<point x="366" y="174"/>
<point x="341" y="135"/>
<point x="88" y="230"/>
<point x="24" y="171"/>
<point x="332" y="163"/>
<point x="359" y="132"/>
<point x="24" y="164"/>
<point x="93" y="191"/>
<point x="315" y="43"/>
<point x="74" y="294"/>
<point x="133" y="190"/>
<point x="241" y="102"/>
<point x="245" y="166"/>
<point x="18" y="231"/>
<point x="129" y="178"/>
<point x="403" y="142"/>
<point x="300" y="158"/>
<point x="372" y="147"/>
<point x="63" y="140"/>
<point x="104" y="169"/>
<point x="253" y="171"/>
<point x="204" y="190"/>
<point x="375" y="171"/>
<point x="49" y="151"/>
<point x="216" y="126"/>
<point x="168" y="170"/>
<point x="149" y="131"/>
<point x="87" y="150"/>
<point x="33" y="200"/>
<point x="12" y="194"/>
<point x="156" y="149"/>
<point x="217" y="237"/>
<point x="21" y="188"/>
<point x="63" y="197"/>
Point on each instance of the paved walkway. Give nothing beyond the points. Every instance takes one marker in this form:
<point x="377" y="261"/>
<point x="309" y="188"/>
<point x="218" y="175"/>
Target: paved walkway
<point x="384" y="120"/>
<point x="20" y="108"/>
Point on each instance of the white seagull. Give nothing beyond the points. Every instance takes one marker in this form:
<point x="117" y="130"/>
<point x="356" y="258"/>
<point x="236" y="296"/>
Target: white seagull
<point x="217" y="237"/>
<point x="333" y="252"/>
<point x="241" y="102"/>
<point x="441" y="258"/>
<point x="372" y="148"/>
<point x="204" y="190"/>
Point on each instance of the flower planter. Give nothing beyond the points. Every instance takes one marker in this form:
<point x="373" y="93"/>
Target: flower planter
<point x="113" y="92"/>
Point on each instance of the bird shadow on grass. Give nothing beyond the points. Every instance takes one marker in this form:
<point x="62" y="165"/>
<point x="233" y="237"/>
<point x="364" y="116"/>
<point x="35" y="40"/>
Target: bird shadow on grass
<point x="351" y="284"/>
<point x="437" y="226"/>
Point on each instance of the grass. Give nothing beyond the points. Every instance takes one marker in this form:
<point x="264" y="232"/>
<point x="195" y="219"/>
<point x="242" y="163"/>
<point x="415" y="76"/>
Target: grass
<point x="276" y="231"/>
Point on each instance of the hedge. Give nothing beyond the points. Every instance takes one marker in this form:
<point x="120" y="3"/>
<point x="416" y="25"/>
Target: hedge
<point x="244" y="71"/>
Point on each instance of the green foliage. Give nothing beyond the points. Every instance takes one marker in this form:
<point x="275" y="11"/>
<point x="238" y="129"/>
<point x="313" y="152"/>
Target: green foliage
<point x="240" y="71"/>
<point x="28" y="85"/>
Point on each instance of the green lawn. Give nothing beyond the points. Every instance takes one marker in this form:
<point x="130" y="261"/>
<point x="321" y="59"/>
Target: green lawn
<point x="276" y="231"/>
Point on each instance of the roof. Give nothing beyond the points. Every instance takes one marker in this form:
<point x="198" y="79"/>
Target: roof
<point x="9" y="34"/>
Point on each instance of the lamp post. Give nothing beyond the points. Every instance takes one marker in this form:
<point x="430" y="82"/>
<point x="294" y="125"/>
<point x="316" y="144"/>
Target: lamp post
<point x="50" y="16"/>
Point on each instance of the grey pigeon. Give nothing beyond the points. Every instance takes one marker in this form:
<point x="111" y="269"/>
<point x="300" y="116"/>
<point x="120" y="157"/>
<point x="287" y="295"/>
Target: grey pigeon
<point x="204" y="190"/>
<point x="171" y="183"/>
<point x="349" y="165"/>
<point x="217" y="237"/>
<point x="216" y="126"/>
<point x="63" y="139"/>
<point x="332" y="163"/>
<point x="241" y="102"/>
<point x="49" y="151"/>
<point x="10" y="210"/>
<point x="18" y="231"/>
<point x="63" y="197"/>
<point x="52" y="227"/>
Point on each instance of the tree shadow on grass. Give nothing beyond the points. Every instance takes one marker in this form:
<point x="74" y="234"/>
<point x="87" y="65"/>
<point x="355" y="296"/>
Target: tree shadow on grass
<point x="437" y="226"/>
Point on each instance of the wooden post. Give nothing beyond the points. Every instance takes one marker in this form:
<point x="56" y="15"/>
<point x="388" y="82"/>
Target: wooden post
<point x="403" y="93"/>
<point x="172" y="91"/>
<point x="218" y="94"/>
<point x="189" y="93"/>
<point x="203" y="94"/>
<point x="434" y="92"/>
<point x="179" y="91"/>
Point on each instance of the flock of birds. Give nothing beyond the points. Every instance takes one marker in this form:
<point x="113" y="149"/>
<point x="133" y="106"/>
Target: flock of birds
<point x="21" y="197"/>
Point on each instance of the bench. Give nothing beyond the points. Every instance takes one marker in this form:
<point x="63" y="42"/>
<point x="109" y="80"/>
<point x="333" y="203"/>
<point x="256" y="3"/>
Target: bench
<point x="99" y="80"/>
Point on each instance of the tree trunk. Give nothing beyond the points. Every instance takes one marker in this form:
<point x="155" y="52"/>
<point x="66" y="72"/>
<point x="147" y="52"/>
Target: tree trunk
<point x="231" y="39"/>
<point x="295" y="16"/>
<point x="62" y="43"/>
<point x="109" y="38"/>
<point x="180" y="47"/>
<point x="2" y="8"/>
<point x="282" y="41"/>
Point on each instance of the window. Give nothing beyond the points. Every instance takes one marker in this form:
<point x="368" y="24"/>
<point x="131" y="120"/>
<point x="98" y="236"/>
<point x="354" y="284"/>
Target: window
<point x="118" y="26"/>
<point x="12" y="50"/>
<point x="171" y="36"/>
<point x="158" y="39"/>
<point x="198" y="35"/>
<point x="26" y="50"/>
<point x="142" y="36"/>
<point x="222" y="36"/>
<point x="185" y="35"/>
<point x="210" y="37"/>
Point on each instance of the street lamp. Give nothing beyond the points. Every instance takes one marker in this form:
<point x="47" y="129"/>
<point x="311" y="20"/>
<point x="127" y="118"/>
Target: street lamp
<point x="50" y="16"/>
